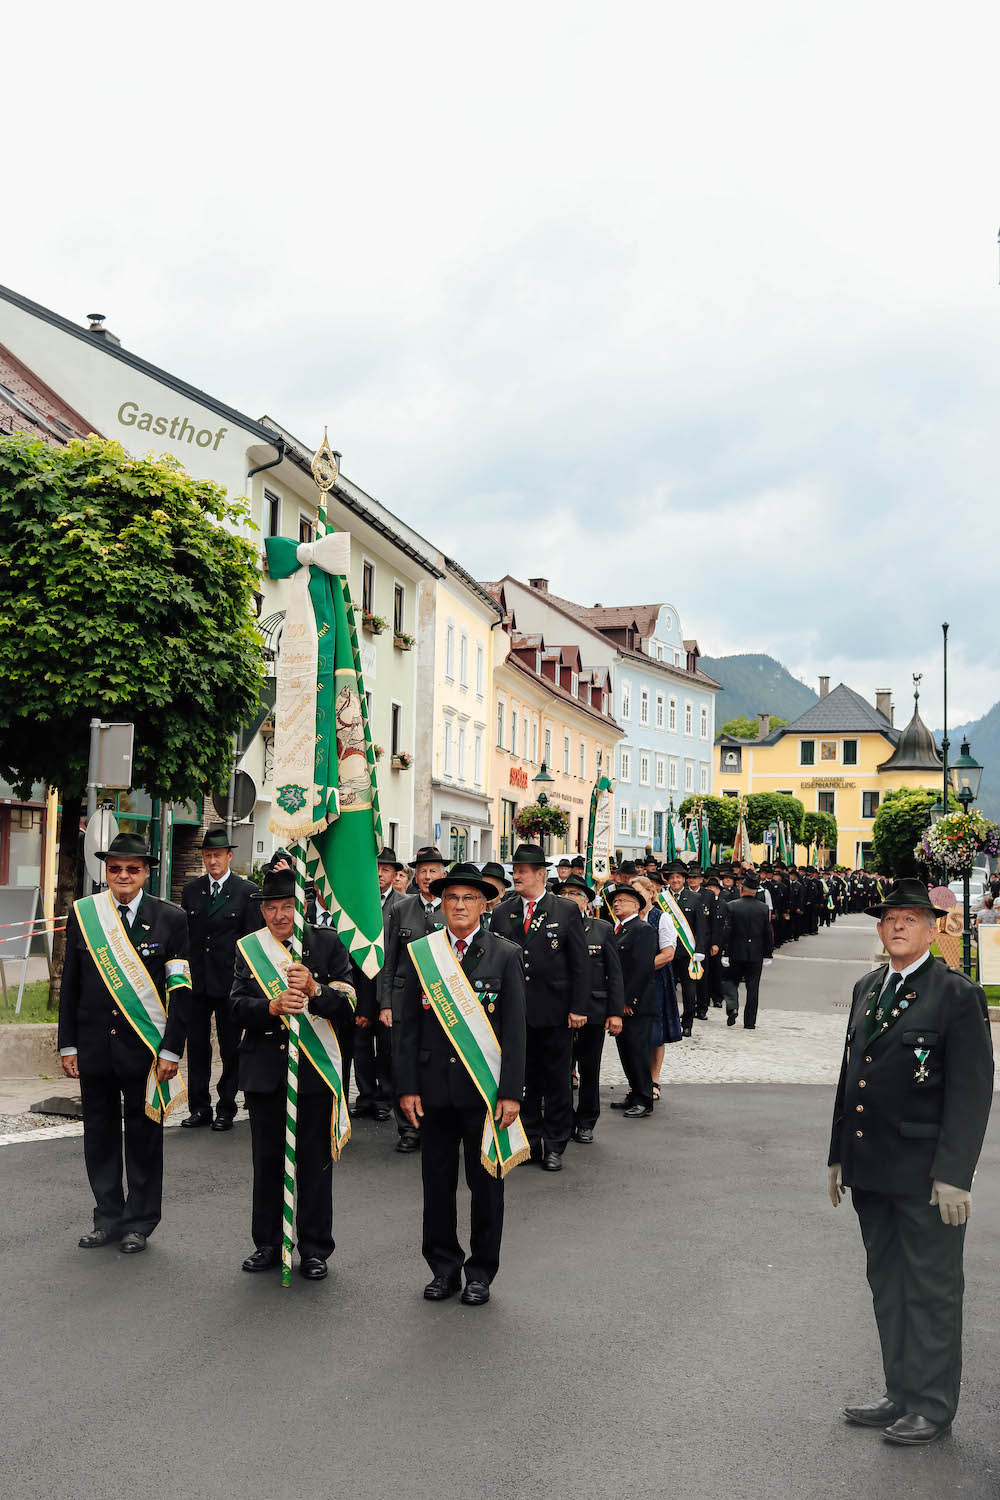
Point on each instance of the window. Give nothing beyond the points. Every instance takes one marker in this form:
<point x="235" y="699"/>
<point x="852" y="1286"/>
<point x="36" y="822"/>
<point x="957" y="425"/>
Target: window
<point x="461" y="752"/>
<point x="626" y="766"/>
<point x="272" y="509"/>
<point x="574" y="684"/>
<point x="566" y="753"/>
<point x="463" y="661"/>
<point x="672" y="725"/>
<point x="661" y="771"/>
<point x="583" y="760"/>
<point x="626" y="700"/>
<point x="449" y="651"/>
<point x="368" y="704"/>
<point x="826" y="802"/>
<point x="689" y="719"/>
<point x="398" y="608"/>
<point x="305" y="529"/>
<point x="513" y="732"/>
<point x="500" y="707"/>
<point x="869" y="804"/>
<point x="807" y="752"/>
<point x="703" y="779"/>
<point x="623" y="819"/>
<point x="368" y="587"/>
<point x="393" y="835"/>
<point x="548" y="748"/>
<point x="688" y="776"/>
<point x="732" y="760"/>
<point x="534" y="742"/>
<point x="600" y="758"/>
<point x="447" y="746"/>
<point x="524" y="737"/>
<point x="659" y="653"/>
<point x="850" y="752"/>
<point x="644" y="706"/>
<point x="673" y="774"/>
<point x="480" y="669"/>
<point x="644" y="821"/>
<point x="659" y="709"/>
<point x="396" y="729"/>
<point x="477" y="763"/>
<point x="604" y="703"/>
<point x="644" y="768"/>
<point x="507" y="811"/>
<point x="704" y="722"/>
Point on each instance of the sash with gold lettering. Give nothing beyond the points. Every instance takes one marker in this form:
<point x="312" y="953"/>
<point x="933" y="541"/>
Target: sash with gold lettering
<point x="454" y="1003"/>
<point x="667" y="903"/>
<point x="269" y="961"/>
<point x="133" y="991"/>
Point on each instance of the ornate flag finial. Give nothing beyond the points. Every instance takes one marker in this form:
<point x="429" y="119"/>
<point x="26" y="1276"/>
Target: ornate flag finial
<point x="324" y="465"/>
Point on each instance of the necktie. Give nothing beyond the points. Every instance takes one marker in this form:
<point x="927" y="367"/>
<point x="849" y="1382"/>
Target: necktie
<point x="326" y="919"/>
<point x="618" y="928"/>
<point x="531" y="913"/>
<point x="123" y="913"/>
<point x="430" y="912"/>
<point x="460" y="947"/>
<point x="881" y="1008"/>
<point x="216" y="888"/>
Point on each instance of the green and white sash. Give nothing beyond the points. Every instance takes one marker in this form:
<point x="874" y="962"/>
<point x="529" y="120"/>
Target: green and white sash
<point x="133" y="991"/>
<point x="454" y="1003"/>
<point x="667" y="903"/>
<point x="269" y="961"/>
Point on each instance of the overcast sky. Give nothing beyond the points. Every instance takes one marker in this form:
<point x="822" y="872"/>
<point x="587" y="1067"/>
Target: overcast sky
<point x="663" y="301"/>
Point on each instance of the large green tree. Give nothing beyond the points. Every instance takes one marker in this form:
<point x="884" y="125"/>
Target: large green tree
<point x="901" y="819"/>
<point x="742" y="728"/>
<point x="765" y="808"/>
<point x="820" y="828"/>
<point x="127" y="593"/>
<point x="721" y="814"/>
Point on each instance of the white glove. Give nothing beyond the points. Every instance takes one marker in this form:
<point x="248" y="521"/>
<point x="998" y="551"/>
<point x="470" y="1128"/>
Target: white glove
<point x="954" y="1204"/>
<point x="767" y="963"/>
<point x="725" y="963"/>
<point x="697" y="958"/>
<point x="835" y="1184"/>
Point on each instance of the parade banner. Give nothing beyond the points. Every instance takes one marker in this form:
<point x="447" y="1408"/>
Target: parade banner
<point x="600" y="832"/>
<point x="457" y="1007"/>
<point x="133" y="991"/>
<point x="704" y="847"/>
<point x="269" y="961"/>
<point x="671" y="834"/>
<point x="666" y="902"/>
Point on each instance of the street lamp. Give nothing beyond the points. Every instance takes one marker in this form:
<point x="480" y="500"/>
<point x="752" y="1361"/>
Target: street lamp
<point x="543" y="801"/>
<point x="966" y="775"/>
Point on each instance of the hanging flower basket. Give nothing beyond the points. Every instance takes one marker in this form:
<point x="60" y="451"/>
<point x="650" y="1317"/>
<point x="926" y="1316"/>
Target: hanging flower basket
<point x="954" y="841"/>
<point x="536" y="821"/>
<point x="372" y="623"/>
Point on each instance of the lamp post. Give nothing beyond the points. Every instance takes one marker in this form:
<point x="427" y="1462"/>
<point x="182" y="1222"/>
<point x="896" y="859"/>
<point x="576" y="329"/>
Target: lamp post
<point x="543" y="801"/>
<point x="944" y="731"/>
<point x="966" y="775"/>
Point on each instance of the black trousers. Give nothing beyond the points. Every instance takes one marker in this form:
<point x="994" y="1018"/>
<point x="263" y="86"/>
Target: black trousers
<point x="634" y="1045"/>
<point x="547" y="1111"/>
<point x="443" y="1130"/>
<point x="917" y="1281"/>
<point x="588" y="1044"/>
<point x="689" y="990"/>
<point x="715" y="975"/>
<point x="373" y="1065"/>
<point x="748" y="974"/>
<point x="199" y="1050"/>
<point x="313" y="1170"/>
<point x="105" y="1099"/>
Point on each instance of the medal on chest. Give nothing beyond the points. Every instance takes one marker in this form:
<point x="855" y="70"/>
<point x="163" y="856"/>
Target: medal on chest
<point x="921" y="1054"/>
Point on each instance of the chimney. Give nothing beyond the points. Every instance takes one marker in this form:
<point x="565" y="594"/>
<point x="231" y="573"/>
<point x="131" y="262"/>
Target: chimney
<point x="824" y="686"/>
<point x="763" y="725"/>
<point x="99" y="331"/>
<point x="541" y="584"/>
<point x="883" y="702"/>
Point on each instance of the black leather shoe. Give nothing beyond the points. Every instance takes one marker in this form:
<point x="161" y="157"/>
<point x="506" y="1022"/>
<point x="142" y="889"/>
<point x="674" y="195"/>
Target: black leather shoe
<point x="585" y="1137"/>
<point x="749" y="1025"/>
<point x="875" y="1414"/>
<point x="717" y="1004"/>
<point x="625" y="1103"/>
<point x="198" y="1121"/>
<point x="701" y="1015"/>
<point x="638" y="1112"/>
<point x="731" y="1018"/>
<point x="685" y="1031"/>
<point x="264" y="1259"/>
<point x="313" y="1268"/>
<point x="476" y="1293"/>
<point x="132" y="1243"/>
<point x="363" y="1112"/>
<point x="408" y="1144"/>
<point x="222" y="1122"/>
<point x="383" y="1112"/>
<point x="913" y="1431"/>
<point x="551" y="1162"/>
<point x="441" y="1288"/>
<point x="99" y="1237"/>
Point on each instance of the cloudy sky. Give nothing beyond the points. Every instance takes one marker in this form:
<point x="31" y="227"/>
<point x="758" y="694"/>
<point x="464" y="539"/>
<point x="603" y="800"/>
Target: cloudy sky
<point x="666" y="302"/>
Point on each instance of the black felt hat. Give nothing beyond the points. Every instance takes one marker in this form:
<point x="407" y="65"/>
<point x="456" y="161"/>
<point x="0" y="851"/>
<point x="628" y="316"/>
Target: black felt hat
<point x="216" y="838"/>
<point x="576" y="883"/>
<point x="911" y="894"/>
<point x="750" y="880"/>
<point x="128" y="846"/>
<point x="530" y="854"/>
<point x="462" y="874"/>
<point x="622" y="888"/>
<point x="675" y="867"/>
<point x="388" y="857"/>
<point x="277" y="885"/>
<point x="493" y="871"/>
<point x="428" y="855"/>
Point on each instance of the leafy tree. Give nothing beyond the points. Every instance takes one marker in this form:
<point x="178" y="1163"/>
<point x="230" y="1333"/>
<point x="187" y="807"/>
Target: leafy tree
<point x="765" y="808"/>
<point x="128" y="594"/>
<point x="742" y="728"/>
<point x="901" y="819"/>
<point x="820" y="828"/>
<point x="721" y="814"/>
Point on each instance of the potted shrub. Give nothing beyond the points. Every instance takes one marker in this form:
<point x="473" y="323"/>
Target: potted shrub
<point x="374" y="624"/>
<point x="401" y="640"/>
<point x="378" y="751"/>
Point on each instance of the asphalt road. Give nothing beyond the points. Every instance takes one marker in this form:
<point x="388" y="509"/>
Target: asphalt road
<point x="680" y="1312"/>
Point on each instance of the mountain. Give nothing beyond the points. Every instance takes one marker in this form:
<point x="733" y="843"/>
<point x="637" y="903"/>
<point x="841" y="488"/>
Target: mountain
<point x="756" y="684"/>
<point x="983" y="736"/>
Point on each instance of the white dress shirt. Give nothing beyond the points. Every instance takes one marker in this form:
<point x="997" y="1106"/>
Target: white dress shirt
<point x="904" y="973"/>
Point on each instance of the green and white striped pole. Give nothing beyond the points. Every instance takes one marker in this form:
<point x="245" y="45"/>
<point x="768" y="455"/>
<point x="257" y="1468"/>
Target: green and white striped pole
<point x="298" y="854"/>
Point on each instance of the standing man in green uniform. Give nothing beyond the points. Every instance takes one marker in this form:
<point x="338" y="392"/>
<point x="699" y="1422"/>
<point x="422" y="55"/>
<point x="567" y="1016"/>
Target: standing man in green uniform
<point x="913" y="1101"/>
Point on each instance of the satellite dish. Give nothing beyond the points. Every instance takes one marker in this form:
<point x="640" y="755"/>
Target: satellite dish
<point x="101" y="829"/>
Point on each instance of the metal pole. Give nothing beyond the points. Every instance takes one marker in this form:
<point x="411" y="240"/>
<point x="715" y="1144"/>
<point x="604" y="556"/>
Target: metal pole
<point x="166" y="831"/>
<point x="95" y="737"/>
<point x="966" y="930"/>
<point x="944" y="732"/>
<point x="232" y="790"/>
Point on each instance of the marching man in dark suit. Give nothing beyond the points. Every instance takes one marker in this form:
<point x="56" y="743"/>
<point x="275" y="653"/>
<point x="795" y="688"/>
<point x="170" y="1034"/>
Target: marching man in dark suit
<point x="637" y="951"/>
<point x="913" y="1101"/>
<point x="373" y="1042"/>
<point x="749" y="947"/>
<point x="459" y="1039"/>
<point x="221" y="908"/>
<point x="124" y="1008"/>
<point x="557" y="983"/>
<point x="267" y="986"/>
<point x="604" y="1008"/>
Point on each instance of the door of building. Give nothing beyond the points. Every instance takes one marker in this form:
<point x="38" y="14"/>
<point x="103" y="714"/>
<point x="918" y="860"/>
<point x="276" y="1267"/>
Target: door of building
<point x="459" y="843"/>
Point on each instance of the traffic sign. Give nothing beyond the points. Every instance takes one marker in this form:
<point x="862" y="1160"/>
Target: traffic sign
<point x="101" y="829"/>
<point x="244" y="798"/>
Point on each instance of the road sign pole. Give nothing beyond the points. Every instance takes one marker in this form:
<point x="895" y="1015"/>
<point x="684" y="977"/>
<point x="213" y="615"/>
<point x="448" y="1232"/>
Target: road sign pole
<point x="232" y="790"/>
<point x="95" y="742"/>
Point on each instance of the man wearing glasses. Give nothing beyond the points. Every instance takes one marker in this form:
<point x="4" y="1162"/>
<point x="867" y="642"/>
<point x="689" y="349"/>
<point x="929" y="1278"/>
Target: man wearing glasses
<point x="124" y="1011"/>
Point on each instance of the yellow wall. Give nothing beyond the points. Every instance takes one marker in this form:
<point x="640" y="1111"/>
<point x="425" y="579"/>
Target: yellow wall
<point x="777" y="768"/>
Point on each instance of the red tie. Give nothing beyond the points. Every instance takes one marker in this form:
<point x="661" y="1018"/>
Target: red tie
<point x="618" y="928"/>
<point x="460" y="947"/>
<point x="527" y="920"/>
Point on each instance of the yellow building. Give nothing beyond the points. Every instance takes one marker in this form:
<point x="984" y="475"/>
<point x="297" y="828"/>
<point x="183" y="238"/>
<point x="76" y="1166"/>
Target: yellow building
<point x="841" y="757"/>
<point x="548" y="707"/>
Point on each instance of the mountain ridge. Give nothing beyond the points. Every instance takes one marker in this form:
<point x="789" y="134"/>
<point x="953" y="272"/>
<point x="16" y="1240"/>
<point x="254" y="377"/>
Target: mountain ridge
<point x="754" y="683"/>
